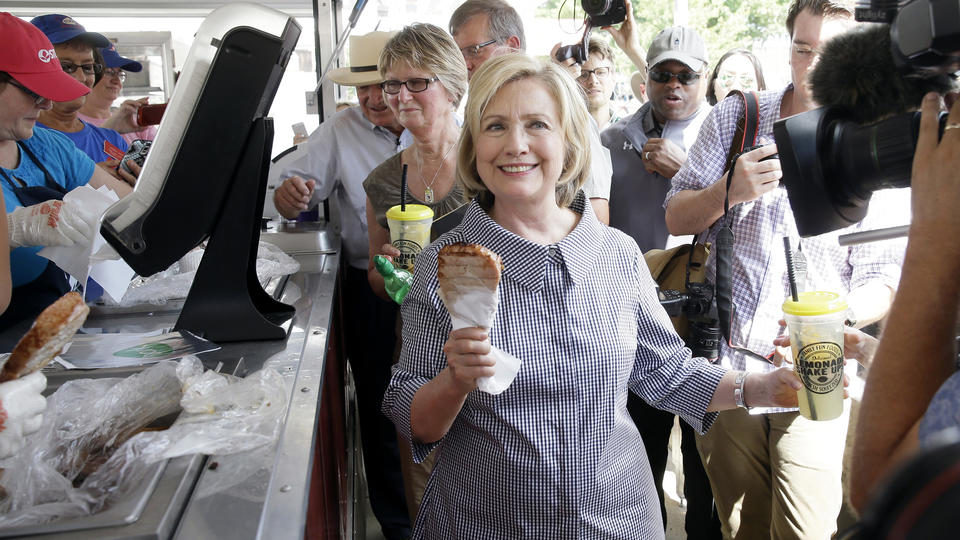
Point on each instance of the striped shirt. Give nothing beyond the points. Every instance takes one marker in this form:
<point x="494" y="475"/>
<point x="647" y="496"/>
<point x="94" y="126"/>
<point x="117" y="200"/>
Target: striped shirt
<point x="556" y="455"/>
<point x="760" y="281"/>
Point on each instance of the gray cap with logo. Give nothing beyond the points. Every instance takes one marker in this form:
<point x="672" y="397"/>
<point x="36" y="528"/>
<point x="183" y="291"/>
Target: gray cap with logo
<point x="680" y="44"/>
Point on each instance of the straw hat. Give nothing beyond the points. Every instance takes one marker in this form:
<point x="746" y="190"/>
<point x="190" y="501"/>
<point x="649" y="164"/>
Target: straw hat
<point x="364" y="55"/>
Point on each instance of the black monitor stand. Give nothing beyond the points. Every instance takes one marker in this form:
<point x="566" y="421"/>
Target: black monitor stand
<point x="226" y="301"/>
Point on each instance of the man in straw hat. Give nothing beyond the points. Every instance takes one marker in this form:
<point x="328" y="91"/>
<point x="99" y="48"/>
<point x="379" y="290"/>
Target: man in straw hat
<point x="334" y="161"/>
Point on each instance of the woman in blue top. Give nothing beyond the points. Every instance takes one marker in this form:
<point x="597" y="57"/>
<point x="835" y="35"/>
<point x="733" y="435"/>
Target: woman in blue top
<point x="77" y="50"/>
<point x="37" y="167"/>
<point x="556" y="454"/>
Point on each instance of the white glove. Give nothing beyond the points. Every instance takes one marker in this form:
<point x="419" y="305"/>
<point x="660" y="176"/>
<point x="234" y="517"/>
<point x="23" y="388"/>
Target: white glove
<point x="50" y="223"/>
<point x="21" y="411"/>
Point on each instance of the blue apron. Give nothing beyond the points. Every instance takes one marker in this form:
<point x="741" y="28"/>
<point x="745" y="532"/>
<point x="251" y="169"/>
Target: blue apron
<point x="29" y="299"/>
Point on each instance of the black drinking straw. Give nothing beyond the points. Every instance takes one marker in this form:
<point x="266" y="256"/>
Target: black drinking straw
<point x="403" y="189"/>
<point x="790" y="272"/>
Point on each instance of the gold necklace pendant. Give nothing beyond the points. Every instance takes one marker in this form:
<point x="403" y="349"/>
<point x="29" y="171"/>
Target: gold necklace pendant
<point x="428" y="195"/>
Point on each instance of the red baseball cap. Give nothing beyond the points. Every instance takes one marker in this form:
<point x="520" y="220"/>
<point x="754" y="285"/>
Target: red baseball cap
<point x="28" y="56"/>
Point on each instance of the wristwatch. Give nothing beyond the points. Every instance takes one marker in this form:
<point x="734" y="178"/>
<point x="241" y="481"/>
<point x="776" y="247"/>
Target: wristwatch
<point x="738" y="391"/>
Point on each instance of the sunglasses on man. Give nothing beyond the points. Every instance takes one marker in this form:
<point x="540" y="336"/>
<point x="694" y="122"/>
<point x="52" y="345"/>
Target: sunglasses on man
<point x="686" y="78"/>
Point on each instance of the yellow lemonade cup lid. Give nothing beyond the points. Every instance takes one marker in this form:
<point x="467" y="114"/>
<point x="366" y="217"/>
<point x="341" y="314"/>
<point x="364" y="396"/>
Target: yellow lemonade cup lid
<point x="812" y="303"/>
<point x="414" y="212"/>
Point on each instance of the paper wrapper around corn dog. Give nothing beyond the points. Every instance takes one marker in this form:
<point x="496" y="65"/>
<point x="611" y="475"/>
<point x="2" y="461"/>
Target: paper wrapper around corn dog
<point x="467" y="279"/>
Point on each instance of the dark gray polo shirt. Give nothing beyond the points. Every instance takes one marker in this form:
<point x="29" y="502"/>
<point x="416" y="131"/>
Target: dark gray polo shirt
<point x="636" y="196"/>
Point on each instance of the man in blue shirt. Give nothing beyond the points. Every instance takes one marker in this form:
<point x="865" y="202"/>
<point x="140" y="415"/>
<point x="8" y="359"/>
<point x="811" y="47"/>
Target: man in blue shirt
<point x="37" y="167"/>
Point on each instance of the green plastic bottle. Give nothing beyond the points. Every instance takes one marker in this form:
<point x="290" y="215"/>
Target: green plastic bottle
<point x="396" y="280"/>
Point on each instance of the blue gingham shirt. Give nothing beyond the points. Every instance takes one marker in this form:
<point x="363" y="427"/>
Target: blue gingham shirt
<point x="556" y="455"/>
<point x="760" y="282"/>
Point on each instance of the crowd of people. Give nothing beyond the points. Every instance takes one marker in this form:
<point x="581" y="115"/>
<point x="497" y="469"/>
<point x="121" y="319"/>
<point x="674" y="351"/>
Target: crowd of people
<point x="577" y="445"/>
<point x="540" y="170"/>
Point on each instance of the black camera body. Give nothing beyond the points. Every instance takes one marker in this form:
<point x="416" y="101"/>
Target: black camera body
<point x="600" y="13"/>
<point x="870" y="82"/>
<point x="605" y="12"/>
<point x="703" y="334"/>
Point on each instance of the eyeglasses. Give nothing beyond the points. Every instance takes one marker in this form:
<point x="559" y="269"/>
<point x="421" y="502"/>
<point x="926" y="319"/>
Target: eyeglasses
<point x="745" y="79"/>
<point x="117" y="73"/>
<point x="600" y="72"/>
<point x="37" y="98"/>
<point x="414" y="85"/>
<point x="686" y="78"/>
<point x="473" y="50"/>
<point x="88" y="69"/>
<point x="804" y="50"/>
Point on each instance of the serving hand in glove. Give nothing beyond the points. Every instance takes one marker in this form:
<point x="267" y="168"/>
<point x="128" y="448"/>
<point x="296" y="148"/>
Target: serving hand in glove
<point x="21" y="411"/>
<point x="50" y="223"/>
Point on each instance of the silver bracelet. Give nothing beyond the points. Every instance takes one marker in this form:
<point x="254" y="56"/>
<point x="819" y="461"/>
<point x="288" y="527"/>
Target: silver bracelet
<point x="738" y="390"/>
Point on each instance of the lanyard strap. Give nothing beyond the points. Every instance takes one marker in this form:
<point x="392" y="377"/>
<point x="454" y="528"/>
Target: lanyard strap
<point x="746" y="133"/>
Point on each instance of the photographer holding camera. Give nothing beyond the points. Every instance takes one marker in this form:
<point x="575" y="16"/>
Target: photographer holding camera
<point x="773" y="472"/>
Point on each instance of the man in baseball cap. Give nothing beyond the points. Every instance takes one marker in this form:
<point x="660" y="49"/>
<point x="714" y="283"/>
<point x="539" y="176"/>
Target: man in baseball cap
<point x="333" y="163"/>
<point x="37" y="168"/>
<point x="647" y="149"/>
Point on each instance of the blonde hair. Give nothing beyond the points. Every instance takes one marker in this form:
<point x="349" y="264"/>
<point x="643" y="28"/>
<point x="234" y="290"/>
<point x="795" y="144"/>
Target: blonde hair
<point x="429" y="48"/>
<point x="498" y="72"/>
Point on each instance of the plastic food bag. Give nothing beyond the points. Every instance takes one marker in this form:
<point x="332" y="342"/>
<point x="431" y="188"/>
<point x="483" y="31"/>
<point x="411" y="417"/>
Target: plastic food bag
<point x="92" y="420"/>
<point x="175" y="281"/>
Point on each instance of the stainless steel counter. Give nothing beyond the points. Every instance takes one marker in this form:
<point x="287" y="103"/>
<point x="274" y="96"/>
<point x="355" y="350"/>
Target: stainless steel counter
<point x="263" y="493"/>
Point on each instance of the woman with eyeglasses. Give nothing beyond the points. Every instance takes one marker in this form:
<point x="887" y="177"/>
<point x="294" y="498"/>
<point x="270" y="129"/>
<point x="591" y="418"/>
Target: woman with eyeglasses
<point x="738" y="69"/>
<point x="77" y="52"/>
<point x="425" y="77"/>
<point x="38" y="167"/>
<point x="98" y="108"/>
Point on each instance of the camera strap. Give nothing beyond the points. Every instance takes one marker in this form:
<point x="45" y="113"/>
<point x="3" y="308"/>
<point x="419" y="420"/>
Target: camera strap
<point x="743" y="140"/>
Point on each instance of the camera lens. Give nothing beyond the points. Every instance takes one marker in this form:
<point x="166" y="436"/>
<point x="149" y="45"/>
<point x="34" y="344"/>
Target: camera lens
<point x="704" y="339"/>
<point x="596" y="7"/>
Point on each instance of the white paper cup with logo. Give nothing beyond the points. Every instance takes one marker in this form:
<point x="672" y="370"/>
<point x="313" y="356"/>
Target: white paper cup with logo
<point x="816" y="322"/>
<point x="409" y="232"/>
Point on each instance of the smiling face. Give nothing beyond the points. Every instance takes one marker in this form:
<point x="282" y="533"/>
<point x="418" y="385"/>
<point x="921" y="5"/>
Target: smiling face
<point x="673" y="100"/>
<point x="417" y="109"/>
<point x="598" y="88"/>
<point x="520" y="145"/>
<point x="110" y="85"/>
<point x="375" y="108"/>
